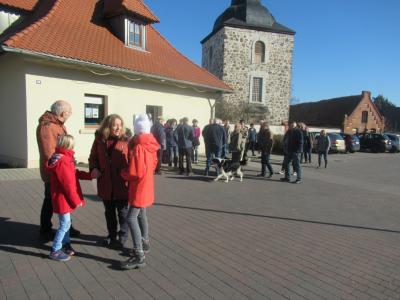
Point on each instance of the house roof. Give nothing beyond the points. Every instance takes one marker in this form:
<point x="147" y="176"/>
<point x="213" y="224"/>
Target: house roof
<point x="327" y="113"/>
<point x="77" y="30"/>
<point x="135" y="7"/>
<point x="24" y="5"/>
<point x="249" y="14"/>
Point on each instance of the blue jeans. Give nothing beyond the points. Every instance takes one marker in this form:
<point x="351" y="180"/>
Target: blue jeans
<point x="195" y="153"/>
<point x="172" y="155"/>
<point x="62" y="235"/>
<point x="295" y="157"/>
<point x="212" y="152"/>
<point x="265" y="156"/>
<point x="139" y="226"/>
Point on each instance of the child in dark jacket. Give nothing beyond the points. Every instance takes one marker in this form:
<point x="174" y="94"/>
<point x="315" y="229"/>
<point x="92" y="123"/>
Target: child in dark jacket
<point x="66" y="194"/>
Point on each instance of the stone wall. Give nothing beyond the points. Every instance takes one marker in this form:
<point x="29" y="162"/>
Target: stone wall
<point x="232" y="61"/>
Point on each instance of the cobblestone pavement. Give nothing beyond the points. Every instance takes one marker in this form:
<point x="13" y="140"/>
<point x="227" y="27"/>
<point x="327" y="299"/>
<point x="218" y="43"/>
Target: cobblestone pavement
<point x="336" y="236"/>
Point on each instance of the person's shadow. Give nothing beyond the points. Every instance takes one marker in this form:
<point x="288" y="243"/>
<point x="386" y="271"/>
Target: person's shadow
<point x="23" y="238"/>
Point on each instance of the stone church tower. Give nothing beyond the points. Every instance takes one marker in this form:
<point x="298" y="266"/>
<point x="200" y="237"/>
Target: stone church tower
<point x="252" y="53"/>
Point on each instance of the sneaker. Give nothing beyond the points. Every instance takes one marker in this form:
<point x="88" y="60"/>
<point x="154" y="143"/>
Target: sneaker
<point x="59" y="255"/>
<point x="134" y="262"/>
<point x="298" y="181"/>
<point x="261" y="175"/>
<point x="74" y="232"/>
<point x="281" y="172"/>
<point x="67" y="249"/>
<point x="146" y="246"/>
<point x="284" y="179"/>
<point x="294" y="174"/>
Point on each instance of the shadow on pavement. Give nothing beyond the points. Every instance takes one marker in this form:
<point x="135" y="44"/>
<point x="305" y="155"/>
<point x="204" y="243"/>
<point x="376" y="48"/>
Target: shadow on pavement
<point x="14" y="235"/>
<point x="276" y="218"/>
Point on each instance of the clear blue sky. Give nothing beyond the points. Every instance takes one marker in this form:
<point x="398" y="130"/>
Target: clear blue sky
<point x="341" y="46"/>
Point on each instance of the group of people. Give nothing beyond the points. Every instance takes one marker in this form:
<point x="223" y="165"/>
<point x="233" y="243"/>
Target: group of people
<point x="124" y="168"/>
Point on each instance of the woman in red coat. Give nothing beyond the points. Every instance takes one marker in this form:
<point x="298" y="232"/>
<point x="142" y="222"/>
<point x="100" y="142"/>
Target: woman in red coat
<point x="109" y="155"/>
<point x="140" y="175"/>
<point x="66" y="194"/>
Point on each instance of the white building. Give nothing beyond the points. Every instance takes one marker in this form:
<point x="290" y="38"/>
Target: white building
<point x="101" y="56"/>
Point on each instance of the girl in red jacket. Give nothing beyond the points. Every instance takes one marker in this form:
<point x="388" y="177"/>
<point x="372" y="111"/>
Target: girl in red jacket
<point x="140" y="175"/>
<point x="66" y="194"/>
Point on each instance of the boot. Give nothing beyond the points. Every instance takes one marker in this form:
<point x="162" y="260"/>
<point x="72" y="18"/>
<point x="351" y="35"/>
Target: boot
<point x="137" y="260"/>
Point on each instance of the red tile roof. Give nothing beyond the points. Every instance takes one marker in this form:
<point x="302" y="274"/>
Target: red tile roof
<point x="76" y="29"/>
<point x="26" y="5"/>
<point x="135" y="7"/>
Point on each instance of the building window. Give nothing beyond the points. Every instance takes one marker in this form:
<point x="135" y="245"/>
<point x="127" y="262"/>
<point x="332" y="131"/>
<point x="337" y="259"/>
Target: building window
<point x="364" y="117"/>
<point x="135" y="34"/>
<point x="259" y="52"/>
<point x="94" y="110"/>
<point x="154" y="111"/>
<point x="256" y="95"/>
<point x="6" y="20"/>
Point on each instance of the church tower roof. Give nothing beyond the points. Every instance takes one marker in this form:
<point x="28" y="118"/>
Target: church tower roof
<point x="250" y="14"/>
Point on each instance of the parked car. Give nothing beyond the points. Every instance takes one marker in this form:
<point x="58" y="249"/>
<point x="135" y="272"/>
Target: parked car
<point x="375" y="142"/>
<point x="352" y="142"/>
<point x="395" y="138"/>
<point x="337" y="142"/>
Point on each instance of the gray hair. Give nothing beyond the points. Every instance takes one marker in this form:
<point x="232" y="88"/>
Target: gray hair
<point x="59" y="107"/>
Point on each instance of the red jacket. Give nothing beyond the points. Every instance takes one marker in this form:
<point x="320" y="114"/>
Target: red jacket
<point x="66" y="192"/>
<point x="140" y="174"/>
<point x="110" y="185"/>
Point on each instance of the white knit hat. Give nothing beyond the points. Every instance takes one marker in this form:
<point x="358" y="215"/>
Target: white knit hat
<point x="142" y="124"/>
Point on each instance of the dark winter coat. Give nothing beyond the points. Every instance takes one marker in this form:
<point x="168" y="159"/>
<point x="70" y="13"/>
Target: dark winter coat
<point x="265" y="140"/>
<point x="294" y="140"/>
<point x="169" y="134"/>
<point x="158" y="131"/>
<point x="215" y="136"/>
<point x="110" y="185"/>
<point x="184" y="135"/>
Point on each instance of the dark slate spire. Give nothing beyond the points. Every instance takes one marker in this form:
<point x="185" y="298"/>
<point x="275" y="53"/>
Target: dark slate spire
<point x="249" y="14"/>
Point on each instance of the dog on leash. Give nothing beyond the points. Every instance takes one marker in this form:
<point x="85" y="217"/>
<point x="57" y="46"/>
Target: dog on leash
<point x="227" y="169"/>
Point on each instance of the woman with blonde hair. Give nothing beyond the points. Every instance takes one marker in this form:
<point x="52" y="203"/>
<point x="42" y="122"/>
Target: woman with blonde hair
<point x="108" y="156"/>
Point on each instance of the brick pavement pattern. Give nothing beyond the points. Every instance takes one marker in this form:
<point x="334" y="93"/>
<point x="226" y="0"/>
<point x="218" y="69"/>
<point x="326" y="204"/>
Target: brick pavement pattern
<point x="337" y="236"/>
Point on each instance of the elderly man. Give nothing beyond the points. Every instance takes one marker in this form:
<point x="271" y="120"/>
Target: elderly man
<point x="51" y="125"/>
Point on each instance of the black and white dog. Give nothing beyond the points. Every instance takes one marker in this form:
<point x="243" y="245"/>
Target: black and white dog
<point x="227" y="169"/>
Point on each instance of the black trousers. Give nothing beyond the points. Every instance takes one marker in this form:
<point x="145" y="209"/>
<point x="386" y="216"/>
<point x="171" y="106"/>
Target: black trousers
<point x="185" y="152"/>
<point x="159" y="159"/>
<point x="114" y="208"/>
<point x="47" y="210"/>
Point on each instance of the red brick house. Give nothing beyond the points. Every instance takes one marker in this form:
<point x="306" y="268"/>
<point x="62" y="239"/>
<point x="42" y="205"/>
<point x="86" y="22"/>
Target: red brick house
<point x="348" y="114"/>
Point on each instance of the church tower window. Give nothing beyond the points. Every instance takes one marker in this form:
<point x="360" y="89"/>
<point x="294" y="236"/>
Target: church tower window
<point x="259" y="52"/>
<point x="256" y="95"/>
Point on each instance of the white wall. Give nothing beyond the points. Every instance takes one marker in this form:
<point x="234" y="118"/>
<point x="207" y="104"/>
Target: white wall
<point x="47" y="83"/>
<point x="13" y="132"/>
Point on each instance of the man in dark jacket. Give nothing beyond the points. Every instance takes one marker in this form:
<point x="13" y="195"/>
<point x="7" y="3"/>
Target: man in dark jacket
<point x="159" y="133"/>
<point x="294" y="143"/>
<point x="184" y="136"/>
<point x="215" y="138"/>
<point x="51" y="126"/>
